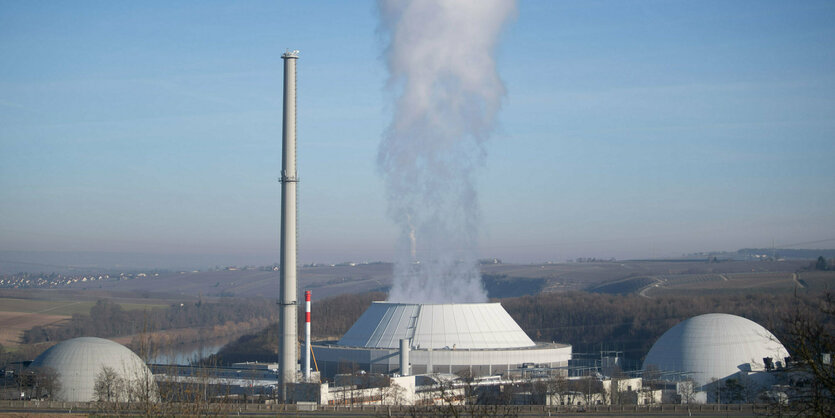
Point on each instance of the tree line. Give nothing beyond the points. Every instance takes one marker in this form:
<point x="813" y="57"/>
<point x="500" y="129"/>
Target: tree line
<point x="108" y="319"/>
<point x="632" y="324"/>
<point x="330" y="318"/>
<point x="588" y="321"/>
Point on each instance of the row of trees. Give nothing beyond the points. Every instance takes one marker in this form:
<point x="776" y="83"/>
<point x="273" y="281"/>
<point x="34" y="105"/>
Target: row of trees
<point x="197" y="396"/>
<point x="332" y="317"/>
<point x="630" y="323"/>
<point x="108" y="319"/>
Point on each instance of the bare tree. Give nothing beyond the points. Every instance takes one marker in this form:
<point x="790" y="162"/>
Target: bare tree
<point x="41" y="382"/>
<point x="749" y="388"/>
<point x="109" y="386"/>
<point x="715" y="386"/>
<point x="811" y="341"/>
<point x="618" y="394"/>
<point x="687" y="390"/>
<point x="142" y="390"/>
<point x="592" y="389"/>
<point x="394" y="394"/>
<point x="651" y="382"/>
<point x="554" y="387"/>
<point x="733" y="391"/>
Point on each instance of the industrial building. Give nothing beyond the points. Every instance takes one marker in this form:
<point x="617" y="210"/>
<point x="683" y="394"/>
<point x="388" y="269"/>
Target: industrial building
<point x="716" y="347"/>
<point x="78" y="363"/>
<point x="479" y="339"/>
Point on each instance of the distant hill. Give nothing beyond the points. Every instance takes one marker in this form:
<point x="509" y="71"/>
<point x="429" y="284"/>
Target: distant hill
<point x="786" y="253"/>
<point x="86" y="261"/>
<point x="500" y="280"/>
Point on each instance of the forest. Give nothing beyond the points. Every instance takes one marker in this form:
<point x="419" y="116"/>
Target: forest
<point x="108" y="319"/>
<point x="330" y="318"/>
<point x="632" y="324"/>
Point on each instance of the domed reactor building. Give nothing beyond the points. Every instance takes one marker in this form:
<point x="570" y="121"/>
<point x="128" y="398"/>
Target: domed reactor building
<point x="408" y="338"/>
<point x="715" y="347"/>
<point x="79" y="361"/>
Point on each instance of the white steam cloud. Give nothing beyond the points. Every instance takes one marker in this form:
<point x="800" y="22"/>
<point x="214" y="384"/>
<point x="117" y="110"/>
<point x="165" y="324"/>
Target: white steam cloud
<point x="440" y="56"/>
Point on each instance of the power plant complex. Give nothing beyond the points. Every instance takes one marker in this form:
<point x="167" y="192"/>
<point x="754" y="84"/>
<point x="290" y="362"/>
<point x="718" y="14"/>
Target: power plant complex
<point x="434" y="353"/>
<point x="479" y="340"/>
<point x="403" y="338"/>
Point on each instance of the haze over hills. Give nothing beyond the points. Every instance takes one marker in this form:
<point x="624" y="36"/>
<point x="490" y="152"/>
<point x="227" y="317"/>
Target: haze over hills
<point x="647" y="278"/>
<point x="77" y="261"/>
<point x="99" y="262"/>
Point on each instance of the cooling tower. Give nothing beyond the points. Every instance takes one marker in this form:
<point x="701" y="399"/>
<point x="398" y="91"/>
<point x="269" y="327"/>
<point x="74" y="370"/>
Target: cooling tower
<point x="479" y="338"/>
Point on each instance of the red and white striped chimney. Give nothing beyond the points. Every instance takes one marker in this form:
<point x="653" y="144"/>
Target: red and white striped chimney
<point x="307" y="335"/>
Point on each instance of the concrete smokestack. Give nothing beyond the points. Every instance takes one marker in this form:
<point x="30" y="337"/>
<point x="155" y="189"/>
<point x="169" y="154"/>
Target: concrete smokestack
<point x="288" y="333"/>
<point x="307" y="336"/>
<point x="404" y="357"/>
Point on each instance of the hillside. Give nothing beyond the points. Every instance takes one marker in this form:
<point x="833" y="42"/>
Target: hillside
<point x="501" y="280"/>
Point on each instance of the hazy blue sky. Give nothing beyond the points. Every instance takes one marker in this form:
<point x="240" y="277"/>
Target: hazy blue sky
<point x="630" y="129"/>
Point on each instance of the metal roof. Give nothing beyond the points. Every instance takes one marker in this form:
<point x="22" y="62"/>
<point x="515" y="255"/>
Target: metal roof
<point x="436" y="326"/>
<point x="715" y="346"/>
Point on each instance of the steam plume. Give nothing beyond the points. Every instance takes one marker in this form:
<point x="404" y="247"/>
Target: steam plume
<point x="447" y="93"/>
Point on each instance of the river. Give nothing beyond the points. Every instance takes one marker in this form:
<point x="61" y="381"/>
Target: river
<point x="185" y="354"/>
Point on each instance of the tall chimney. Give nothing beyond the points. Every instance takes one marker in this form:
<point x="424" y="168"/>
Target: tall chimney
<point x="288" y="333"/>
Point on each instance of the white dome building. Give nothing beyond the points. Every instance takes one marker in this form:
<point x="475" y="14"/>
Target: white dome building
<point x="79" y="361"/>
<point x="715" y="346"/>
<point x="480" y="338"/>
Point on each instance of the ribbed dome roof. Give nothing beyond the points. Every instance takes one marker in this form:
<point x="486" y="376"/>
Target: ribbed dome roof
<point x="436" y="326"/>
<point x="79" y="361"/>
<point x="714" y="346"/>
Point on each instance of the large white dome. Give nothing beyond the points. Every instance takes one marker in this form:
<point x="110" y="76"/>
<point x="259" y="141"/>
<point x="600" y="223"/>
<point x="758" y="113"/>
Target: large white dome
<point x="714" y="346"/>
<point x="436" y="326"/>
<point x="79" y="361"/>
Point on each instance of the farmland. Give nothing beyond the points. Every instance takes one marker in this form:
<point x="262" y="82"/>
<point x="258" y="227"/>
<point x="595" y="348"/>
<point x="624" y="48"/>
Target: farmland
<point x="500" y="280"/>
<point x="21" y="311"/>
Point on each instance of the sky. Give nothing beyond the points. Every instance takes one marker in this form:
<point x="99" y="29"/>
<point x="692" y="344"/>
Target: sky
<point x="628" y="130"/>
